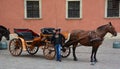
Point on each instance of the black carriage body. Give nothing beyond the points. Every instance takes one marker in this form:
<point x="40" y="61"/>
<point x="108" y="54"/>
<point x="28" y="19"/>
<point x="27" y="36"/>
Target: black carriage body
<point x="47" y="30"/>
<point x="26" y="34"/>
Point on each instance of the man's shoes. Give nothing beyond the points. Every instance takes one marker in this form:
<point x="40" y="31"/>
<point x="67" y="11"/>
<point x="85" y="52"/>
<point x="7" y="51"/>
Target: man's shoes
<point x="59" y="60"/>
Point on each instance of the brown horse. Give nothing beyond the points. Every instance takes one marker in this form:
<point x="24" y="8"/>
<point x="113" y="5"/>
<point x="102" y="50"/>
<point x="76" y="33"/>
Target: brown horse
<point x="90" y="38"/>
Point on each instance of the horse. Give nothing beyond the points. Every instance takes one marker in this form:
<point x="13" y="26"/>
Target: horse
<point x="4" y="32"/>
<point x="90" y="38"/>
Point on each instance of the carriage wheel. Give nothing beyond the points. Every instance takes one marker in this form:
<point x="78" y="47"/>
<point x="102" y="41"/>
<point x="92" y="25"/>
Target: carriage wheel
<point x="65" y="52"/>
<point x="32" y="50"/>
<point x="15" y="47"/>
<point x="49" y="52"/>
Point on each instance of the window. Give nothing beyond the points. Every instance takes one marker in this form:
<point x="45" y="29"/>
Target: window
<point x="32" y="9"/>
<point x="73" y="9"/>
<point x="113" y="8"/>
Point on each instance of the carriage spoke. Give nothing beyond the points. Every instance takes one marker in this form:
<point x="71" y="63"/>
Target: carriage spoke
<point x="49" y="52"/>
<point x="65" y="52"/>
<point x="15" y="47"/>
<point x="32" y="51"/>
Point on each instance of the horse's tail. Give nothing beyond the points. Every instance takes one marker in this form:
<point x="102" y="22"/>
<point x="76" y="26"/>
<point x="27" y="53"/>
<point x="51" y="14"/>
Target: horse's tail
<point x="68" y="37"/>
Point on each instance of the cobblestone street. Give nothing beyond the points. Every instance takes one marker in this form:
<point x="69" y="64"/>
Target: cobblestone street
<point x="108" y="58"/>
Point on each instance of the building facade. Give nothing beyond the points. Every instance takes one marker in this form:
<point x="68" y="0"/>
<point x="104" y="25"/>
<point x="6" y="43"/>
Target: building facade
<point x="65" y="14"/>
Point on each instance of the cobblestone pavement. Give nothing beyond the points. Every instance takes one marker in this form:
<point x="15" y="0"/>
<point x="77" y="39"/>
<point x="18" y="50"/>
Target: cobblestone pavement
<point x="108" y="58"/>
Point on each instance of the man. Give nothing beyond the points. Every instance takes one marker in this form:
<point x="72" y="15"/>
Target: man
<point x="57" y="40"/>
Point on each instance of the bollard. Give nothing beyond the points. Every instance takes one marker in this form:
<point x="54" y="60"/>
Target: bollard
<point x="3" y="45"/>
<point x="116" y="44"/>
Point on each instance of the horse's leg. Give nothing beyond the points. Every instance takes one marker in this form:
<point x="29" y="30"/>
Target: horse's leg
<point x="92" y="55"/>
<point x="74" y="55"/>
<point x="93" y="59"/>
<point x="95" y="54"/>
<point x="0" y="37"/>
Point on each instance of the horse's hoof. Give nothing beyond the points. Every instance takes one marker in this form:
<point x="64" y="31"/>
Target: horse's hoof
<point x="75" y="59"/>
<point x="93" y="63"/>
<point x="96" y="60"/>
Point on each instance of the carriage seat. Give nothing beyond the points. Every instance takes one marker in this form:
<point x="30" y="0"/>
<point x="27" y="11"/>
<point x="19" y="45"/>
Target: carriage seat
<point x="47" y="30"/>
<point x="25" y="33"/>
<point x="27" y="36"/>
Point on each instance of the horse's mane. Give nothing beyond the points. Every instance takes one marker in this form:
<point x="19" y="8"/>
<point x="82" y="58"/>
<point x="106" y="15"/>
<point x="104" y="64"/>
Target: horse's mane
<point x="3" y="27"/>
<point x="101" y="28"/>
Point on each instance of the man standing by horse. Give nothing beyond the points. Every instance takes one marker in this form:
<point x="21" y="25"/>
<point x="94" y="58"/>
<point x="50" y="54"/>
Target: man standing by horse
<point x="57" y="41"/>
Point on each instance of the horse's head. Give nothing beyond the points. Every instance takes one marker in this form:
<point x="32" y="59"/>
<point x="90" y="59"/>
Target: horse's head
<point x="6" y="34"/>
<point x="111" y="29"/>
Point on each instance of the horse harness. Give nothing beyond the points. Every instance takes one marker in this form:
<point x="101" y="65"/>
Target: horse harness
<point x="93" y="36"/>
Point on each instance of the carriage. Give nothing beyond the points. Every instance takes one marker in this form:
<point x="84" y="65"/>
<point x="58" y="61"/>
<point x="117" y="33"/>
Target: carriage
<point x="31" y="42"/>
<point x="92" y="39"/>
